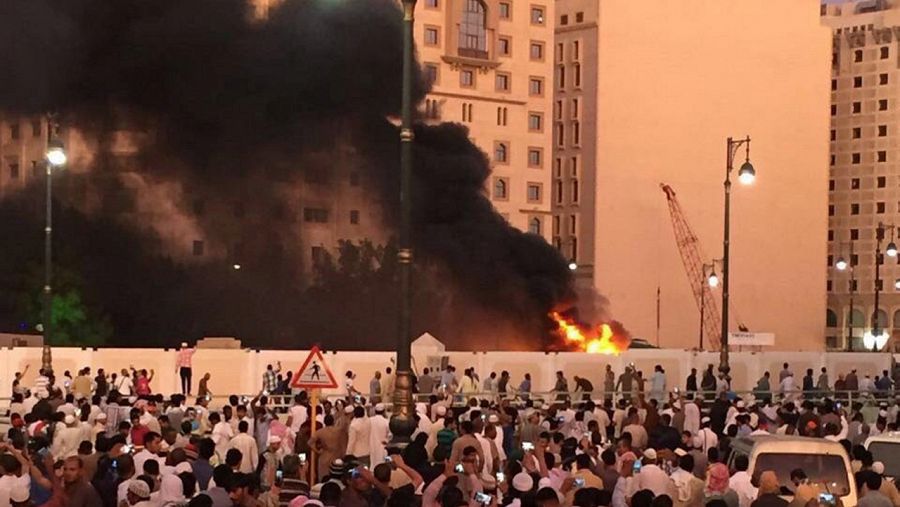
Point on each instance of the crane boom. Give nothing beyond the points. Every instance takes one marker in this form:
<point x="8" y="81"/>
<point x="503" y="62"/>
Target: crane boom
<point x="693" y="259"/>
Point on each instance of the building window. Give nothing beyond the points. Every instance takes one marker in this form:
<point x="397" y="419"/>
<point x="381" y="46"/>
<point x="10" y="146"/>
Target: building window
<point x="832" y="159"/>
<point x="501" y="82"/>
<point x="35" y="128"/>
<point x="857" y="82"/>
<point x="564" y="20"/>
<point x="882" y="130"/>
<point x="576" y="75"/>
<point x="882" y="156"/>
<point x="558" y="191"/>
<point x="884" y="52"/>
<point x="560" y="135"/>
<point x="501" y="188"/>
<point x="882" y="104"/>
<point x="854" y="184"/>
<point x="830" y="235"/>
<point x="857" y="132"/>
<point x="575" y="50"/>
<point x="576" y="133"/>
<point x="354" y="217"/>
<point x="536" y="86"/>
<point x="14" y="131"/>
<point x="537" y="50"/>
<point x="558" y="110"/>
<point x="857" y="107"/>
<point x="504" y="46"/>
<point x="535" y="157"/>
<point x="881" y="181"/>
<point x="467" y="78"/>
<point x="557" y="168"/>
<point x="198" y="248"/>
<point x="833" y="84"/>
<point x="505" y="10"/>
<point x="573" y="167"/>
<point x="854" y="158"/>
<point x="561" y="76"/>
<point x="879" y="207"/>
<point x="854" y="209"/>
<point x="431" y="73"/>
<point x="472" y="32"/>
<point x="831" y="185"/>
<point x="14" y="170"/>
<point x="858" y="54"/>
<point x="883" y="79"/>
<point x="879" y="285"/>
<point x="534" y="192"/>
<point x="537" y="15"/>
<point x="560" y="54"/>
<point x="501" y="152"/>
<point x="574" y="111"/>
<point x="534" y="226"/>
<point x="854" y="235"/>
<point x="831" y="210"/>
<point x="316" y="215"/>
<point x="555" y="225"/>
<point x="833" y="136"/>
<point x="535" y="122"/>
<point x="431" y="36"/>
<point x="466" y="112"/>
<point x="853" y="288"/>
<point x="579" y="17"/>
<point x="572" y="224"/>
<point x="501" y="116"/>
<point x="833" y="110"/>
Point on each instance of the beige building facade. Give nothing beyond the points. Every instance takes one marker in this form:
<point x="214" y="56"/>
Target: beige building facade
<point x="490" y="63"/>
<point x="660" y="89"/>
<point x="864" y="184"/>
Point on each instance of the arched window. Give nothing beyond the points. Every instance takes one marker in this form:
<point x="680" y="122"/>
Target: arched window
<point x="500" y="189"/>
<point x="882" y="319"/>
<point x="897" y="319"/>
<point x="831" y="319"/>
<point x="857" y="318"/>
<point x="534" y="226"/>
<point x="472" y="33"/>
<point x="500" y="153"/>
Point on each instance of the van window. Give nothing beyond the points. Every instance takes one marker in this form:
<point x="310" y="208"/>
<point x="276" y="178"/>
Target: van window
<point x="889" y="454"/>
<point x="826" y="471"/>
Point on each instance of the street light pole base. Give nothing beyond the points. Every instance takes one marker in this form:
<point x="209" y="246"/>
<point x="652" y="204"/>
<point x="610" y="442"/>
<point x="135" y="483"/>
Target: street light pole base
<point x="402" y="423"/>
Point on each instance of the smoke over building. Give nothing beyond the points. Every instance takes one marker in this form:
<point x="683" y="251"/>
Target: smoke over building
<point x="194" y="119"/>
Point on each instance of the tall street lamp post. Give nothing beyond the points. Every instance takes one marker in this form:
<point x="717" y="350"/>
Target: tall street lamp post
<point x="891" y="251"/>
<point x="842" y="265"/>
<point x="402" y="423"/>
<point x="56" y="157"/>
<point x="746" y="175"/>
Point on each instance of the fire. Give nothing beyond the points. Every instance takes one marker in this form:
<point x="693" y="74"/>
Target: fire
<point x="600" y="339"/>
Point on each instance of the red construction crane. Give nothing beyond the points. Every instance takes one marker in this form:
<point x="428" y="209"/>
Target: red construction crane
<point x="693" y="258"/>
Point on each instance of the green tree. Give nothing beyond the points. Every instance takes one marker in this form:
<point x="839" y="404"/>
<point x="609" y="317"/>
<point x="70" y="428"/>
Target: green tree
<point x="75" y="321"/>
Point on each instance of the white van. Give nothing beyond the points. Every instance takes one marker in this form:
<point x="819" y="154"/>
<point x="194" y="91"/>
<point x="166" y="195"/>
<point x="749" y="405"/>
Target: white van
<point x="825" y="463"/>
<point x="886" y="449"/>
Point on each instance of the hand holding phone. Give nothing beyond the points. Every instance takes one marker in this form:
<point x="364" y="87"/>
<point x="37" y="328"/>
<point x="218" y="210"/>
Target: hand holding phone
<point x="527" y="446"/>
<point x="483" y="498"/>
<point x="459" y="468"/>
<point x="579" y="482"/>
<point x="302" y="457"/>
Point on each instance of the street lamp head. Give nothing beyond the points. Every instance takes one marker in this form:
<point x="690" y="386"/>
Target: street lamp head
<point x="713" y="279"/>
<point x="841" y="264"/>
<point x="56" y="152"/>
<point x="897" y="284"/>
<point x="891" y="249"/>
<point x="746" y="174"/>
<point x="573" y="266"/>
<point x="236" y="267"/>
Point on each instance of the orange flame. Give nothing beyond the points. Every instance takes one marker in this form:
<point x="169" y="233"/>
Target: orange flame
<point x="598" y="340"/>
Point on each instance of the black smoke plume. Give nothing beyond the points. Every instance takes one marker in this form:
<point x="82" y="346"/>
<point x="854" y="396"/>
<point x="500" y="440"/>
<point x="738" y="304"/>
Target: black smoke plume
<point x="243" y="109"/>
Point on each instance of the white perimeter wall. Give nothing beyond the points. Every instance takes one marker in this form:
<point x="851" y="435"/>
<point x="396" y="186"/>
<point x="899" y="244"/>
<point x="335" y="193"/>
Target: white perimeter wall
<point x="240" y="370"/>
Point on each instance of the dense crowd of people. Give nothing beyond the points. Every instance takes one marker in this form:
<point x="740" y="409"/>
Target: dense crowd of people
<point x="109" y="440"/>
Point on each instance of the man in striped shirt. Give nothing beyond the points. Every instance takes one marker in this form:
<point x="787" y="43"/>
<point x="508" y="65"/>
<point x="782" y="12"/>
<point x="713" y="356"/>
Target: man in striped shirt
<point x="183" y="366"/>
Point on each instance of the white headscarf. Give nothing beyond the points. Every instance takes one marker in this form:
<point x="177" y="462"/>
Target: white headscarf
<point x="171" y="491"/>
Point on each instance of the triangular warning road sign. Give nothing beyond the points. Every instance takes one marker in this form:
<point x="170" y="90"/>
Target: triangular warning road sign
<point x="315" y="373"/>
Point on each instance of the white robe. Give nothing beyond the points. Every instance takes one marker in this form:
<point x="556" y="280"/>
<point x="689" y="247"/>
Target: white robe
<point x="379" y="436"/>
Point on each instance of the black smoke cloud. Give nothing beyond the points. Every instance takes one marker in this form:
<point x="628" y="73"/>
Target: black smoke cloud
<point x="222" y="99"/>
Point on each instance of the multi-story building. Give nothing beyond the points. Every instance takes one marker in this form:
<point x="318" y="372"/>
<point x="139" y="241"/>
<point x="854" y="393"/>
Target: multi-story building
<point x="490" y="64"/>
<point x="864" y="184"/>
<point x="647" y="94"/>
